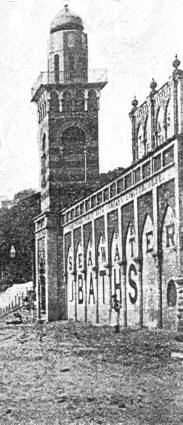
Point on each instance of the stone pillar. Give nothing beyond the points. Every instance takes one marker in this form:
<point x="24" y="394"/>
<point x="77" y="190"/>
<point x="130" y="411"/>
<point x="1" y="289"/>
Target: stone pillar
<point x="139" y="263"/>
<point x="134" y="130"/>
<point x="153" y="86"/>
<point x="109" y="276"/>
<point x="86" y="100"/>
<point x="95" y="275"/>
<point x="123" y="265"/>
<point x="158" y="263"/>
<point x="179" y="286"/>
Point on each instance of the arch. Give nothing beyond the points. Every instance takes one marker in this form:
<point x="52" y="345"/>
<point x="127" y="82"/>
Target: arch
<point x="56" y="69"/>
<point x="91" y="285"/>
<point x="79" y="101"/>
<point x="92" y="101"/>
<point x="115" y="262"/>
<point x="140" y="141"/>
<point x="169" y="130"/>
<point x="169" y="268"/>
<point x="73" y="142"/>
<point x="147" y="223"/>
<point x="167" y="237"/>
<point x="150" y="292"/>
<point x="67" y="102"/>
<point x="171" y="294"/>
<point x="103" y="282"/>
<point x="167" y="209"/>
<point x="160" y="126"/>
<point x="130" y="230"/>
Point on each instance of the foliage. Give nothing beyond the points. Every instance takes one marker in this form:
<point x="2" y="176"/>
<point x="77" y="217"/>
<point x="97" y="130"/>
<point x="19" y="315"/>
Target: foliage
<point x="17" y="229"/>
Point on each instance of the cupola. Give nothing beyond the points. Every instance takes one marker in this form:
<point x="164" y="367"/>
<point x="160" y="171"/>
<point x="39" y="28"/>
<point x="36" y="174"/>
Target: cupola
<point x="66" y="20"/>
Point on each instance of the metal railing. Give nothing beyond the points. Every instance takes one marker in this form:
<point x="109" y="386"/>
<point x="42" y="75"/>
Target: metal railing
<point x="92" y="76"/>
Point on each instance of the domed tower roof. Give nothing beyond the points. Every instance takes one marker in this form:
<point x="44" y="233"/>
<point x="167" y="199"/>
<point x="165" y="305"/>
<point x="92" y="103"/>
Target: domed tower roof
<point x="66" y="20"/>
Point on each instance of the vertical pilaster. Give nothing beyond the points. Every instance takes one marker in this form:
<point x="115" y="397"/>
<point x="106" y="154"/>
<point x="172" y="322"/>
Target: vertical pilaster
<point x="134" y="130"/>
<point x="108" y="270"/>
<point x="124" y="296"/>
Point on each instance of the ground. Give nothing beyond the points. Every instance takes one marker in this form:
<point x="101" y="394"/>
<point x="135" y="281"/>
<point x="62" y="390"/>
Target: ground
<point x="67" y="373"/>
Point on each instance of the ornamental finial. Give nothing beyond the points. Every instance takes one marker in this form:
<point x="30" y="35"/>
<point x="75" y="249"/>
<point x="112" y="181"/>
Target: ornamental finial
<point x="153" y="85"/>
<point x="134" y="102"/>
<point x="176" y="62"/>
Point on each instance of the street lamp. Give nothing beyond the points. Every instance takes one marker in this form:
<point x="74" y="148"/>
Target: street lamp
<point x="12" y="251"/>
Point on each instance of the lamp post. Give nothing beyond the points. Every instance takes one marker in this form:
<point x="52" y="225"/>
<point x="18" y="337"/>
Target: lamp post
<point x="12" y="251"/>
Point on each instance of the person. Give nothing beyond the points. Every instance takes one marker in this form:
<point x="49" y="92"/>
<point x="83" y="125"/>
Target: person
<point x="116" y="305"/>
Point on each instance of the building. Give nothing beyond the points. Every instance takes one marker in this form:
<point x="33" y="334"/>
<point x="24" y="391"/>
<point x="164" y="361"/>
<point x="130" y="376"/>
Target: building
<point x="125" y="238"/>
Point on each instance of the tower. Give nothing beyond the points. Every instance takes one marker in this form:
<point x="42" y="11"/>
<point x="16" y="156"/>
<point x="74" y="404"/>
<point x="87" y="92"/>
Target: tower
<point x="67" y="98"/>
<point x="68" y="104"/>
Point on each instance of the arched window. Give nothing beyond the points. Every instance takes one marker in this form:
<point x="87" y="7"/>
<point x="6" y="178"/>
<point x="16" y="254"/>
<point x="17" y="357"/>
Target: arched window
<point x="140" y="141"/>
<point x="71" y="61"/>
<point x="79" y="101"/>
<point x="169" y="128"/>
<point x="160" y="127"/>
<point x="67" y="102"/>
<point x="56" y="68"/>
<point x="92" y="101"/>
<point x="171" y="294"/>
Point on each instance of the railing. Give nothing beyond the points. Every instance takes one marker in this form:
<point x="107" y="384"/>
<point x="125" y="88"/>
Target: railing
<point x="93" y="76"/>
<point x="138" y="173"/>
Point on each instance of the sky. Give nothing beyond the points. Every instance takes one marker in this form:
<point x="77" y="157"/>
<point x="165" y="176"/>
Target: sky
<point x="135" y="40"/>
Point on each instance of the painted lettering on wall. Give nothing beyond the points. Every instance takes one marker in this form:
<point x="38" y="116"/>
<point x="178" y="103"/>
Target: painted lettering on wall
<point x="117" y="283"/>
<point x="131" y="273"/>
<point x="170" y="233"/>
<point x="131" y="242"/>
<point x="91" y="290"/>
<point x="90" y="259"/>
<point x="149" y="241"/>
<point x="116" y="254"/>
<point x="72" y="292"/>
<point x="80" y="289"/>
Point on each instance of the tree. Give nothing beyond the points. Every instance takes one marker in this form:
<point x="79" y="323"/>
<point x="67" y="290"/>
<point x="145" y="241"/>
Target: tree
<point x="17" y="229"/>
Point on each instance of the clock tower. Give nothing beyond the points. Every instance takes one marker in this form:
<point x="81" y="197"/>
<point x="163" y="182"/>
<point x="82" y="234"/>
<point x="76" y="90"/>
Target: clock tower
<point x="67" y="96"/>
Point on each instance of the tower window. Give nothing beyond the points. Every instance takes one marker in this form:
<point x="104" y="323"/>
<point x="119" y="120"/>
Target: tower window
<point x="71" y="61"/>
<point x="79" y="103"/>
<point x="67" y="102"/>
<point x="56" y="68"/>
<point x="171" y="294"/>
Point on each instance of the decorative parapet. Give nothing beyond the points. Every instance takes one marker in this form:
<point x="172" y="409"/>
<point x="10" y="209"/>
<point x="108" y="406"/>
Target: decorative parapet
<point x="137" y="174"/>
<point x="48" y="78"/>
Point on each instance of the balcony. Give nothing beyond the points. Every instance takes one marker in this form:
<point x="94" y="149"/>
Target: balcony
<point x="46" y="78"/>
